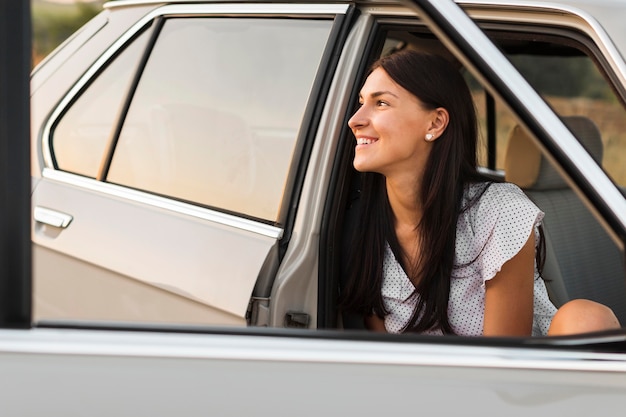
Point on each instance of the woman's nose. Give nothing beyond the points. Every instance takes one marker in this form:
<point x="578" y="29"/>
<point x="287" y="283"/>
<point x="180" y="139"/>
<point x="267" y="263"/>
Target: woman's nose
<point x="358" y="119"/>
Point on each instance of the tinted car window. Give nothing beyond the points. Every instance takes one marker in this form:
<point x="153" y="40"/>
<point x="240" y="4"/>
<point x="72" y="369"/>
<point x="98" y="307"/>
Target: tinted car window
<point x="216" y="113"/>
<point x="82" y="134"/>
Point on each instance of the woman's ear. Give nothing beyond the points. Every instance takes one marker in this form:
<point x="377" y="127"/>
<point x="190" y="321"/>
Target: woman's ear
<point x="438" y="123"/>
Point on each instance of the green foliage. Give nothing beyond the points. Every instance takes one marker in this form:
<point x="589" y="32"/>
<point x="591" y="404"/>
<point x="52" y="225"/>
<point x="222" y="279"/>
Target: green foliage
<point x="53" y="23"/>
<point x="574" y="76"/>
<point x="559" y="76"/>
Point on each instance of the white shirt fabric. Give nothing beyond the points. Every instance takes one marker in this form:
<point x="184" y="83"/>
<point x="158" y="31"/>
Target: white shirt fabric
<point x="489" y="233"/>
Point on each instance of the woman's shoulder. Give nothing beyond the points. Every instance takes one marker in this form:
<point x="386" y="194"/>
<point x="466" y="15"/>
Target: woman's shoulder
<point x="493" y="190"/>
<point x="493" y="195"/>
<point x="495" y="199"/>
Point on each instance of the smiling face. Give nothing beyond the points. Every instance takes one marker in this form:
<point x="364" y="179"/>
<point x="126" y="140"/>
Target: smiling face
<point x="390" y="128"/>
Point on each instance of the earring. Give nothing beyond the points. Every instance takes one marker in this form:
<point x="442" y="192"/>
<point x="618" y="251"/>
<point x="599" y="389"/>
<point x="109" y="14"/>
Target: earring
<point x="429" y="137"/>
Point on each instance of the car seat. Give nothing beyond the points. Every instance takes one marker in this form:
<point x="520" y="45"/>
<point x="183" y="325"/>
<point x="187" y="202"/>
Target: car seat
<point x="581" y="259"/>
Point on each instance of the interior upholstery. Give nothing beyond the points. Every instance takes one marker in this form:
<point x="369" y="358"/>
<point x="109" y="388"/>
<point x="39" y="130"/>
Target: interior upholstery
<point x="581" y="259"/>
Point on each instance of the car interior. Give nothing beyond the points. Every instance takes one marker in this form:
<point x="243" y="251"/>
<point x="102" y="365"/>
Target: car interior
<point x="582" y="260"/>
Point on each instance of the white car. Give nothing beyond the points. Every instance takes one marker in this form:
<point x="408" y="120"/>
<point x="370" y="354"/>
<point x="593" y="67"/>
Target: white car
<point x="191" y="181"/>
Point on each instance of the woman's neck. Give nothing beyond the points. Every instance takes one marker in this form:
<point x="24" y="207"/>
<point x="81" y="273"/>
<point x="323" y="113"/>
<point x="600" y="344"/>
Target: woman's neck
<point x="405" y="203"/>
<point x="404" y="199"/>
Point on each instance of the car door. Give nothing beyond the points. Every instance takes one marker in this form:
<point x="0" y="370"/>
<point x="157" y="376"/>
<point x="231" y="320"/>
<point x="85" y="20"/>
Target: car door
<point x="166" y="168"/>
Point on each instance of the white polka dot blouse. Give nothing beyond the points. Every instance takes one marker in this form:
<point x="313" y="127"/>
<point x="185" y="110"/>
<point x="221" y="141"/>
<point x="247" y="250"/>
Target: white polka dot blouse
<point x="489" y="233"/>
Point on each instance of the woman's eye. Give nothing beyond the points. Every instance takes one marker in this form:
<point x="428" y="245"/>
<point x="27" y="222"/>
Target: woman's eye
<point x="382" y="103"/>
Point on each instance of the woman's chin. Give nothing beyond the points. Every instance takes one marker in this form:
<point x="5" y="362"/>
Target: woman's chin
<point x="363" y="166"/>
<point x="359" y="166"/>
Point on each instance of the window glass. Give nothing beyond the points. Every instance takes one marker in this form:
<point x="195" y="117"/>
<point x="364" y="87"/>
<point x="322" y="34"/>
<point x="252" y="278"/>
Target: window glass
<point x="217" y="111"/>
<point x="574" y="86"/>
<point x="569" y="80"/>
<point x="81" y="135"/>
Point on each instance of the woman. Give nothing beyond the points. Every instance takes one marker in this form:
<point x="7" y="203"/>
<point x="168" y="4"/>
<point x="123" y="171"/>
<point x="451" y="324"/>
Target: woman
<point x="440" y="249"/>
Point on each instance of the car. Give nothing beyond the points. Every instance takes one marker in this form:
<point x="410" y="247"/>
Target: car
<point x="191" y="185"/>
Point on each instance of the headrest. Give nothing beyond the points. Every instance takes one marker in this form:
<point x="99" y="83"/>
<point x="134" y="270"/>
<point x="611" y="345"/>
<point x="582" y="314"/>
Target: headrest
<point x="526" y="166"/>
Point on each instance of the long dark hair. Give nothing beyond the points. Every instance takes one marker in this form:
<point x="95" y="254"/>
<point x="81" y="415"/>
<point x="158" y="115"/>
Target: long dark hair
<point x="450" y="167"/>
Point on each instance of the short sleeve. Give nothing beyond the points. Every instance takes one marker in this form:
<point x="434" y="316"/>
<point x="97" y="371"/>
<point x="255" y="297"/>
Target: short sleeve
<point x="494" y="229"/>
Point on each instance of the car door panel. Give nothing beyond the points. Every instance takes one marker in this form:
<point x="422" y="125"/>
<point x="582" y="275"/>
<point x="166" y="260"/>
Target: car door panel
<point x="231" y="375"/>
<point x="132" y="241"/>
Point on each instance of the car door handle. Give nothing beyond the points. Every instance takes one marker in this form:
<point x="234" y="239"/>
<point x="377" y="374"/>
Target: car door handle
<point x="52" y="217"/>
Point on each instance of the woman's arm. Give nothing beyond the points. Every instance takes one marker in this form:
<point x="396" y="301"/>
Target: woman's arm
<point x="509" y="295"/>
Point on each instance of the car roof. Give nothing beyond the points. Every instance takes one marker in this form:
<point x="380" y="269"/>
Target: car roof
<point x="607" y="15"/>
<point x="578" y="3"/>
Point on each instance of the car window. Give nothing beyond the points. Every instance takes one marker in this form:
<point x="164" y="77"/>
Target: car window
<point x="82" y="133"/>
<point x="217" y="110"/>
<point x="570" y="77"/>
<point x="574" y="85"/>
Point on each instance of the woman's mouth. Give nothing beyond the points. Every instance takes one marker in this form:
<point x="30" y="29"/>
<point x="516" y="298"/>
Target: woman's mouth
<point x="365" y="141"/>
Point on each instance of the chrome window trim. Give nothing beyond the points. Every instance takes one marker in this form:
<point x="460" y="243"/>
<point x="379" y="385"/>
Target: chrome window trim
<point x="230" y="10"/>
<point x="164" y="203"/>
<point x="259" y="347"/>
<point x="242" y="7"/>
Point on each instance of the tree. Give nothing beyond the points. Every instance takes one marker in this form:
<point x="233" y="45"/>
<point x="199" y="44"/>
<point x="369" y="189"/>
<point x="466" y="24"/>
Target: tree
<point x="53" y="23"/>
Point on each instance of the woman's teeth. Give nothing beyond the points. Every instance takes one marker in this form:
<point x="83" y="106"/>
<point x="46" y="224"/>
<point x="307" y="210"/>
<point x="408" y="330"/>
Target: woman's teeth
<point x="363" y="141"/>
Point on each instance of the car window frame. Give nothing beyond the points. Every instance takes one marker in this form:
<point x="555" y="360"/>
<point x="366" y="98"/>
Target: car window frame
<point x="471" y="57"/>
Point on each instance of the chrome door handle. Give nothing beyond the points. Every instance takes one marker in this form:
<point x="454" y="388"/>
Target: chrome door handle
<point x="52" y="218"/>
